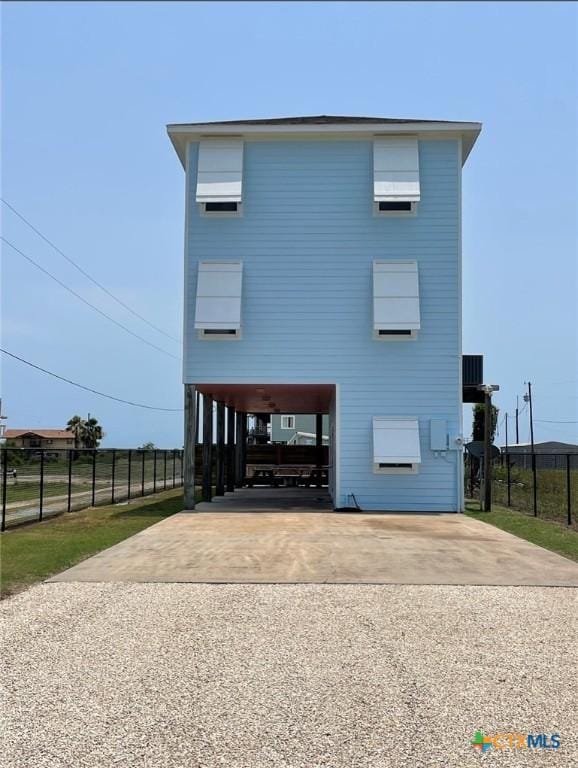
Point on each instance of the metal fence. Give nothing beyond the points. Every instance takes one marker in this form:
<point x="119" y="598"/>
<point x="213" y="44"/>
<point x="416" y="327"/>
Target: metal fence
<point x="543" y="489"/>
<point x="39" y="483"/>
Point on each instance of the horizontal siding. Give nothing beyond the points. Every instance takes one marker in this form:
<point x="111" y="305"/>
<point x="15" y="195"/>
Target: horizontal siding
<point x="307" y="239"/>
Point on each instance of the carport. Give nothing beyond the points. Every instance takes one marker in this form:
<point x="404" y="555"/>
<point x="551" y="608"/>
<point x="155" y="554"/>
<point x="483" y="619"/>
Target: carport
<point x="216" y="416"/>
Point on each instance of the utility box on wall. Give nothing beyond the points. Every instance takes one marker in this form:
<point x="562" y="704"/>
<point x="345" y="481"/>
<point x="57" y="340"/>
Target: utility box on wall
<point x="438" y="435"/>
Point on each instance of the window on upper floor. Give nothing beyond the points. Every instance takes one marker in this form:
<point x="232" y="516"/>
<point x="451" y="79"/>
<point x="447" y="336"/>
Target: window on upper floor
<point x="394" y="208"/>
<point x="396" y="313"/>
<point x="220" y="177"/>
<point x="287" y="422"/>
<point x="218" y="305"/>
<point x="396" y="447"/>
<point x="223" y="208"/>
<point x="396" y="187"/>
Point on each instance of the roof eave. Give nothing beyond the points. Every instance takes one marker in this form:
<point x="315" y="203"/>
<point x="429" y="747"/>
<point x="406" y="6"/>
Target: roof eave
<point x="182" y="133"/>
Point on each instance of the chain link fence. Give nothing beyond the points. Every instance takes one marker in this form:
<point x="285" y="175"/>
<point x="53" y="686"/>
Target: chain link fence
<point x="544" y="486"/>
<point x="40" y="483"/>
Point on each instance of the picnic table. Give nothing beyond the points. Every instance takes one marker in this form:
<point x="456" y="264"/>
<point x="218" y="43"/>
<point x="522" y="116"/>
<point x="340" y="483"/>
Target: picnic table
<point x="288" y="476"/>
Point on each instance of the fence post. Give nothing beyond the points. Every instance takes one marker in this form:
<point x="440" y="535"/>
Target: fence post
<point x="181" y="461"/>
<point x="112" y="473"/>
<point x="69" y="503"/>
<point x="165" y="471"/>
<point x="142" y="474"/>
<point x="129" y="473"/>
<point x="154" y="471"/>
<point x="535" y="485"/>
<point x="508" y="477"/>
<point x="568" y="489"/>
<point x="41" y="500"/>
<point x="4" y="481"/>
<point x="93" y="477"/>
<point x="174" y="462"/>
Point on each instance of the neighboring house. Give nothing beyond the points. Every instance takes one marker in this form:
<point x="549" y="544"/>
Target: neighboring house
<point x="323" y="275"/>
<point x="40" y="438"/>
<point x="307" y="438"/>
<point x="549" y="455"/>
<point x="297" y="429"/>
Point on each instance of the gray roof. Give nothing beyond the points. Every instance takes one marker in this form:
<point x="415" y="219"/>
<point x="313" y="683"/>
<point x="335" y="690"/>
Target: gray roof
<point x="320" y="120"/>
<point x="548" y="446"/>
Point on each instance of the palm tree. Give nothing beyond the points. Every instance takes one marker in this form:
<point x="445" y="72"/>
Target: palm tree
<point x="92" y="433"/>
<point x="76" y="426"/>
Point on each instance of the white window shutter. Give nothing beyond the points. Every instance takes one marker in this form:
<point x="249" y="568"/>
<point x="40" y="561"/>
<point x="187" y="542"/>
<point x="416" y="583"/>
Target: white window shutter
<point x="219" y="290"/>
<point x="395" y="296"/>
<point x="220" y="171"/>
<point x="396" y="169"/>
<point x="396" y="440"/>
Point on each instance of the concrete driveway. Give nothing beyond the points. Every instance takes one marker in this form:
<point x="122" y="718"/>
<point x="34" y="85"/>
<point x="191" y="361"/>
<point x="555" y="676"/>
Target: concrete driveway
<point x="299" y="544"/>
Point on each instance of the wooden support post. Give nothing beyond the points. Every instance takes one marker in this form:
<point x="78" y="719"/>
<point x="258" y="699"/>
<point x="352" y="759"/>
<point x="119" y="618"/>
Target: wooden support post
<point x="487" y="501"/>
<point x="244" y="449"/>
<point x="240" y="418"/>
<point x="207" y="447"/>
<point x="191" y="416"/>
<point x="220" y="482"/>
<point x="230" y="449"/>
<point x="319" y="438"/>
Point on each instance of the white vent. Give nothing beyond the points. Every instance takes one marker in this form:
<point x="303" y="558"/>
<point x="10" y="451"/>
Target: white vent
<point x="395" y="299"/>
<point x="219" y="290"/>
<point x="220" y="171"/>
<point x="396" y="169"/>
<point x="396" y="448"/>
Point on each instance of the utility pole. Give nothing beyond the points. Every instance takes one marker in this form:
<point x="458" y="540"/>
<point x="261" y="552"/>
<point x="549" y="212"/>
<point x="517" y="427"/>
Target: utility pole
<point x="507" y="461"/>
<point x="528" y="399"/>
<point x="517" y="429"/>
<point x="2" y="425"/>
<point x="487" y="389"/>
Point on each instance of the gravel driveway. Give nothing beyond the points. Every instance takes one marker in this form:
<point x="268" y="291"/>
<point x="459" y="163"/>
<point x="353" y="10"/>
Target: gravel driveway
<point x="187" y="675"/>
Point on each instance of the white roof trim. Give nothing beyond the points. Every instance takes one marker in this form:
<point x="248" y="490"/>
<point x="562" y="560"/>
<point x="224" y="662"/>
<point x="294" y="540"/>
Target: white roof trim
<point x="181" y="134"/>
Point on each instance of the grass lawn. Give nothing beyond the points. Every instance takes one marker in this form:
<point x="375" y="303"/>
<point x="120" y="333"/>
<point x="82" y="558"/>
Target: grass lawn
<point x="550" y="535"/>
<point x="550" y="487"/>
<point x="35" y="552"/>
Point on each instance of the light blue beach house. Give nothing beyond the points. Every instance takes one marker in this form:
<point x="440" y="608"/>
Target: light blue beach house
<point x="323" y="276"/>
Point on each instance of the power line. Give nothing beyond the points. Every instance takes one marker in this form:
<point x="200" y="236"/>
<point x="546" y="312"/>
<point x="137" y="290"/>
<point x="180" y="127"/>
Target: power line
<point x="84" y="301"/>
<point x="89" y="389"/>
<point x="555" y="383"/>
<point x="548" y="421"/>
<point x="83" y="272"/>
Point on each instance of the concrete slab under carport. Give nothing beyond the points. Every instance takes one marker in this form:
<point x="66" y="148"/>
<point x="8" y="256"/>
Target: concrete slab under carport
<point x="298" y="545"/>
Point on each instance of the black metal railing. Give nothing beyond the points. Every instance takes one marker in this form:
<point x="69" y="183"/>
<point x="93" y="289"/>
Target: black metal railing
<point x="39" y="483"/>
<point x="542" y="485"/>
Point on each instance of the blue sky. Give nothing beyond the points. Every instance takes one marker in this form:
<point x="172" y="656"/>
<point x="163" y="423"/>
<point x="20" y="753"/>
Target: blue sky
<point x="89" y="88"/>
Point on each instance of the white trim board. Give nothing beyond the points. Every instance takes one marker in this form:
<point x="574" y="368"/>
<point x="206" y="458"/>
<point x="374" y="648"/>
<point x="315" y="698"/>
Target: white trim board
<point x="181" y="134"/>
